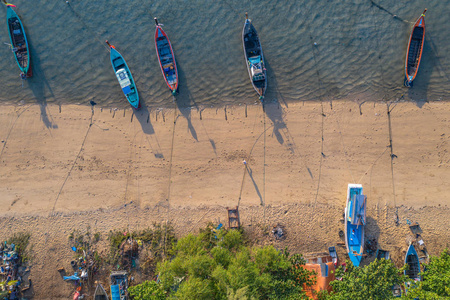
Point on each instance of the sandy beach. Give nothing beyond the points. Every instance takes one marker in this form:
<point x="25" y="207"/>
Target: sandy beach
<point x="69" y="167"/>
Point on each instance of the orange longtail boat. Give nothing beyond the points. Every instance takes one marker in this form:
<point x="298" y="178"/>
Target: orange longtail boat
<point x="414" y="50"/>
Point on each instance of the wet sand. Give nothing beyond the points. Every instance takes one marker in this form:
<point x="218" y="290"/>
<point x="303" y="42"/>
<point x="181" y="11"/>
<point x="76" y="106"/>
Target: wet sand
<point x="70" y="167"/>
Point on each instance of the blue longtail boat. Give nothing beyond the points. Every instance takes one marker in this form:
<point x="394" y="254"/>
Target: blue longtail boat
<point x="19" y="42"/>
<point x="355" y="220"/>
<point x="412" y="260"/>
<point x="124" y="77"/>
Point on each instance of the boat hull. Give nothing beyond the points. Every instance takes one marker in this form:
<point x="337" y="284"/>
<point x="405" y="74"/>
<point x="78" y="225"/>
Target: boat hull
<point x="118" y="63"/>
<point x="252" y="48"/>
<point x="166" y="59"/>
<point x="354" y="234"/>
<point x="412" y="260"/>
<point x="414" y="50"/>
<point x="19" y="41"/>
<point x="100" y="293"/>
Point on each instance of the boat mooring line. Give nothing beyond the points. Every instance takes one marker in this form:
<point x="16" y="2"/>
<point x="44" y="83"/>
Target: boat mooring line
<point x="86" y="26"/>
<point x="12" y="126"/>
<point x="231" y="7"/>
<point x="392" y="159"/>
<point x="321" y="157"/>
<point x="74" y="162"/>
<point x="264" y="168"/>
<point x="371" y="166"/>
<point x="385" y="10"/>
<point x="313" y="45"/>
<point x="248" y="161"/>
<point x="175" y="117"/>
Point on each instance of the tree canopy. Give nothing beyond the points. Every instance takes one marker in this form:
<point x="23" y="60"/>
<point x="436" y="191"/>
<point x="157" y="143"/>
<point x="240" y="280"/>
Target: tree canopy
<point x="435" y="283"/>
<point x="218" y="265"/>
<point x="374" y="281"/>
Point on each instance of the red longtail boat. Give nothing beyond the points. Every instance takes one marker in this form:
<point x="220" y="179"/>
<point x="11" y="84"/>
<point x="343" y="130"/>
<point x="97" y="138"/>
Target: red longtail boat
<point x="166" y="58"/>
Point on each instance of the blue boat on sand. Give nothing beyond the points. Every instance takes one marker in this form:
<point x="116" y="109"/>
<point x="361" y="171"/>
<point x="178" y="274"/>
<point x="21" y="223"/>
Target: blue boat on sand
<point x="119" y="285"/>
<point x="355" y="220"/>
<point x="412" y="260"/>
<point x="19" y="42"/>
<point x="124" y="77"/>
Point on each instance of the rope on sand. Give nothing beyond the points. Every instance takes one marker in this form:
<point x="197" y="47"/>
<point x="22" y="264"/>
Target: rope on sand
<point x="175" y="117"/>
<point x="389" y="110"/>
<point x="246" y="162"/>
<point x="74" y="162"/>
<point x="264" y="167"/>
<point x="10" y="130"/>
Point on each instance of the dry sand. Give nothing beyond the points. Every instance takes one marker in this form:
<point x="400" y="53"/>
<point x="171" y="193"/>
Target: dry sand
<point x="70" y="167"/>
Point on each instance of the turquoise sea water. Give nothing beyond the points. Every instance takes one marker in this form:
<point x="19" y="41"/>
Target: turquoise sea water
<point x="314" y="50"/>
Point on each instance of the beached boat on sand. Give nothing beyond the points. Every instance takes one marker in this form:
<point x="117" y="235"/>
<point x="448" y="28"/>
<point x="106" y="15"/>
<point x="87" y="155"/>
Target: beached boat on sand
<point x="412" y="260"/>
<point x="355" y="220"/>
<point x="414" y="50"/>
<point x="19" y="42"/>
<point x="119" y="285"/>
<point x="254" y="57"/>
<point x="100" y="293"/>
<point x="166" y="58"/>
<point x="124" y="76"/>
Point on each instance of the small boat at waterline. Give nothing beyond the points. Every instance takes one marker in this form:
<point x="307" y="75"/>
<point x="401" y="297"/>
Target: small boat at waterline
<point x="414" y="50"/>
<point x="355" y="220"/>
<point x="254" y="57"/>
<point x="124" y="76"/>
<point x="19" y="42"/>
<point x="166" y="58"/>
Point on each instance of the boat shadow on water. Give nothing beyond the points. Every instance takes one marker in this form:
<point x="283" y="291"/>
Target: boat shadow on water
<point x="185" y="102"/>
<point x="273" y="92"/>
<point x="418" y="93"/>
<point x="38" y="84"/>
<point x="274" y="111"/>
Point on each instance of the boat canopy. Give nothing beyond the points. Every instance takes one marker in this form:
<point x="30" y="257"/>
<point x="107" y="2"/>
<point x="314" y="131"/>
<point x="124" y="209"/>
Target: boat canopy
<point x="124" y="81"/>
<point x="256" y="68"/>
<point x="358" y="210"/>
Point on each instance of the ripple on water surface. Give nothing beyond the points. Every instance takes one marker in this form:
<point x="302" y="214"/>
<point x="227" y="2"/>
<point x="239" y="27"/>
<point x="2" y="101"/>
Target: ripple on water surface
<point x="314" y="50"/>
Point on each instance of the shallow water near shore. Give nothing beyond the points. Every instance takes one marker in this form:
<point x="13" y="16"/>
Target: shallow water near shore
<point x="314" y="50"/>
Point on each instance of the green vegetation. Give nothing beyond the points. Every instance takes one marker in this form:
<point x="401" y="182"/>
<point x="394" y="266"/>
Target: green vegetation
<point x="158" y="243"/>
<point x="374" y="281"/>
<point x="148" y="290"/>
<point x="220" y="265"/>
<point x="21" y="240"/>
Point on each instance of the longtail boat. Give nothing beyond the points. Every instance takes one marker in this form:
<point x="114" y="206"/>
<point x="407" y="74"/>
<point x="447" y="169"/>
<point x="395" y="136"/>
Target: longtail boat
<point x="100" y="293"/>
<point x="254" y="57"/>
<point x="355" y="220"/>
<point x="124" y="76"/>
<point x="19" y="42"/>
<point x="414" y="50"/>
<point x="166" y="58"/>
<point x="412" y="260"/>
<point x="119" y="285"/>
